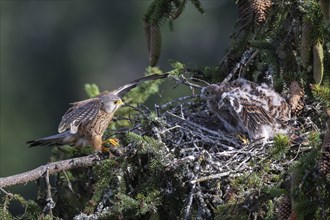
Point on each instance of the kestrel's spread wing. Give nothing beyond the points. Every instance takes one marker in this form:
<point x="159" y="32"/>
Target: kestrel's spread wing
<point x="78" y="113"/>
<point x="85" y="122"/>
<point x="121" y="91"/>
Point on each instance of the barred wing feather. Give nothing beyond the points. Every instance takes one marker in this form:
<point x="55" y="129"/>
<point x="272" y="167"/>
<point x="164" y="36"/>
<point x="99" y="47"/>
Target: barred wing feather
<point x="78" y="113"/>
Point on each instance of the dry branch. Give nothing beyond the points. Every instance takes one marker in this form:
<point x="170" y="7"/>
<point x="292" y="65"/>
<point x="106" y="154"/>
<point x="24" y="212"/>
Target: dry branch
<point x="54" y="167"/>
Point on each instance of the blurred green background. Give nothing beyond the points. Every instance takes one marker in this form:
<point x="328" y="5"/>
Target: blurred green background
<point x="50" y="49"/>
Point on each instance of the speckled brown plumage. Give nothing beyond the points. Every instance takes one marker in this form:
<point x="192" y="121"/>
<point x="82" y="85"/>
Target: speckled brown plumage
<point x="85" y="122"/>
<point x="246" y="107"/>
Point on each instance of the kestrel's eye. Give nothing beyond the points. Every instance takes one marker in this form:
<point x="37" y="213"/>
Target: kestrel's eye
<point x="118" y="102"/>
<point x="207" y="93"/>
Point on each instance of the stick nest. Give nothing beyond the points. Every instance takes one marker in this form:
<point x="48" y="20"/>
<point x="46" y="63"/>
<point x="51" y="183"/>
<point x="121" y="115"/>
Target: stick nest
<point x="215" y="167"/>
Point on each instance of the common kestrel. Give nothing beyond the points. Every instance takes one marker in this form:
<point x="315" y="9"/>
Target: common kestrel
<point x="246" y="107"/>
<point x="85" y="122"/>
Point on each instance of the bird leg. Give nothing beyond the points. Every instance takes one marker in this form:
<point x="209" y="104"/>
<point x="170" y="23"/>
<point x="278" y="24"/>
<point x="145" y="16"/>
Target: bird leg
<point x="243" y="138"/>
<point x="103" y="146"/>
<point x="96" y="142"/>
<point x="108" y="146"/>
<point x="112" y="141"/>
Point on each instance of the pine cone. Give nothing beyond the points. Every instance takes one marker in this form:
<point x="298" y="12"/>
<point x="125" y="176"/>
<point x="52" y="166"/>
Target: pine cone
<point x="155" y="44"/>
<point x="146" y="27"/>
<point x="260" y="9"/>
<point x="296" y="100"/>
<point x="306" y="43"/>
<point x="154" y="41"/>
<point x="284" y="208"/>
<point x="318" y="67"/>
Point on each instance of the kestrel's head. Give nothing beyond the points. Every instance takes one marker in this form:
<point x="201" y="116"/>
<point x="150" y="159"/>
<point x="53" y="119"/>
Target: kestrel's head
<point x="111" y="102"/>
<point x="211" y="91"/>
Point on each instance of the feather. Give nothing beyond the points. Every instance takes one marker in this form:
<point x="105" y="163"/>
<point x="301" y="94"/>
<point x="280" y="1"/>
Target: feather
<point x="85" y="122"/>
<point x="53" y="140"/>
<point x="79" y="112"/>
<point x="244" y="106"/>
<point x="253" y="116"/>
<point x="121" y="91"/>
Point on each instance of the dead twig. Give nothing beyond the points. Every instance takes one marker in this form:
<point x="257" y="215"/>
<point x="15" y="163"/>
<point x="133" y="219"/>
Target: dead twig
<point x="218" y="134"/>
<point x="246" y="58"/>
<point x="51" y="168"/>
<point x="183" y="80"/>
<point x="215" y="176"/>
<point x="50" y="202"/>
<point x="5" y="192"/>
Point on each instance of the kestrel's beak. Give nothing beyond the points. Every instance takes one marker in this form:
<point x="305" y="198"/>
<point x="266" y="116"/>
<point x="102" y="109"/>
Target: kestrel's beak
<point x="120" y="102"/>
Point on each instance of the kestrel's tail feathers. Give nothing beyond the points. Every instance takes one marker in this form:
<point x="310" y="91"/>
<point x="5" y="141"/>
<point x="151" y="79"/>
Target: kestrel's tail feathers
<point x="64" y="138"/>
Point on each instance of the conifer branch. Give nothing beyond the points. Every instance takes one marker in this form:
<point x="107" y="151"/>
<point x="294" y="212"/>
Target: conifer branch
<point x="51" y="168"/>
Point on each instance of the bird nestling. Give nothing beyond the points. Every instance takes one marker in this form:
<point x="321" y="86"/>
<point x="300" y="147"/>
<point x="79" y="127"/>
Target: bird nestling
<point x="246" y="107"/>
<point x="85" y="122"/>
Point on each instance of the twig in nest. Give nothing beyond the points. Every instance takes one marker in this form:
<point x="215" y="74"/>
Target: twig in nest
<point x="214" y="176"/>
<point x="177" y="162"/>
<point x="217" y="133"/>
<point x="205" y="212"/>
<point x="187" y="212"/>
<point x="174" y="101"/>
<point x="200" y="80"/>
<point x="183" y="80"/>
<point x="140" y="110"/>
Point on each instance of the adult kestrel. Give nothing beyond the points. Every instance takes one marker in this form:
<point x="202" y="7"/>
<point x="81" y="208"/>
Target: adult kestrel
<point x="85" y="122"/>
<point x="246" y="107"/>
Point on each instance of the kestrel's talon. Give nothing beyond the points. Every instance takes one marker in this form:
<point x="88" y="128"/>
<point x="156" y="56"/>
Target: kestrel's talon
<point x="244" y="139"/>
<point x="110" y="146"/>
<point x="104" y="149"/>
<point x="112" y="141"/>
<point x="111" y="149"/>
